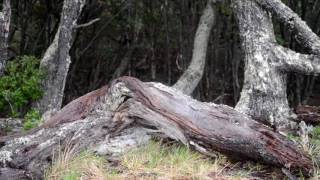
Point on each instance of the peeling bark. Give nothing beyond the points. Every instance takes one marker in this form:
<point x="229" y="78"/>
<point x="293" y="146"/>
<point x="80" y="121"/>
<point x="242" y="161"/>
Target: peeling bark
<point x="129" y="111"/>
<point x="192" y="76"/>
<point x="5" y="17"/>
<point x="56" y="60"/>
<point x="264" y="95"/>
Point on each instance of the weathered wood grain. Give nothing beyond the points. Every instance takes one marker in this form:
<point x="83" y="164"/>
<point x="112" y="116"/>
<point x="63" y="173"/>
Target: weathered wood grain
<point x="127" y="113"/>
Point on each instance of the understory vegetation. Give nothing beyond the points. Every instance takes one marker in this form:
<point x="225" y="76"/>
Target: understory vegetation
<point x="19" y="87"/>
<point x="159" y="160"/>
<point x="32" y="119"/>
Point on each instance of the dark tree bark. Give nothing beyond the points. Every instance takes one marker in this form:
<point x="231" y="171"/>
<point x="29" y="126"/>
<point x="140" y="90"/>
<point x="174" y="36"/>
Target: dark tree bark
<point x="264" y="95"/>
<point x="192" y="76"/>
<point x="56" y="60"/>
<point x="5" y="17"/>
<point x="126" y="114"/>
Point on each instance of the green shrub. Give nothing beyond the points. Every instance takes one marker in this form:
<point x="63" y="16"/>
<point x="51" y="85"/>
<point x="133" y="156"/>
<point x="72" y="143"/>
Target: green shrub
<point x="315" y="140"/>
<point x="316" y="132"/>
<point x="32" y="119"/>
<point x="20" y="85"/>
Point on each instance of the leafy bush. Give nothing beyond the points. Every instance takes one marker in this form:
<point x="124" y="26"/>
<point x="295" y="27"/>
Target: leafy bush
<point x="32" y="119"/>
<point x="20" y="85"/>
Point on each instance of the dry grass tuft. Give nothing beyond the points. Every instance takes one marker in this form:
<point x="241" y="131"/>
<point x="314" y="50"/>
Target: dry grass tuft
<point x="153" y="161"/>
<point x="68" y="166"/>
<point x="169" y="162"/>
<point x="311" y="145"/>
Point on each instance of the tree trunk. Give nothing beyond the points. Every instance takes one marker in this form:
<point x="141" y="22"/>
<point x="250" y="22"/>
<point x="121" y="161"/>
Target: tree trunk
<point x="304" y="35"/>
<point x="125" y="61"/>
<point x="192" y="76"/>
<point x="264" y="95"/>
<point x="56" y="60"/>
<point x="5" y="17"/>
<point x="127" y="112"/>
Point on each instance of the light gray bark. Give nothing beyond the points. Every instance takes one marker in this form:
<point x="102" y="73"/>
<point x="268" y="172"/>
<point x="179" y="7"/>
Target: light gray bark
<point x="304" y="34"/>
<point x="56" y="60"/>
<point x="5" y="17"/>
<point x="192" y="76"/>
<point x="264" y="95"/>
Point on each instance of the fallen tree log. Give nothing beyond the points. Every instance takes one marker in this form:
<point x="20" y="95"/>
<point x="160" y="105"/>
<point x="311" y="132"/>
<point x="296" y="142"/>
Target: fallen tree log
<point x="128" y="112"/>
<point x="308" y="114"/>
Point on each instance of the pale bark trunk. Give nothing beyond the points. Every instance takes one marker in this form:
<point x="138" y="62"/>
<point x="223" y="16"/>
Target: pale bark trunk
<point x="56" y="60"/>
<point x="192" y="76"/>
<point x="5" y="17"/>
<point x="264" y="95"/>
<point x="125" y="61"/>
<point x="127" y="112"/>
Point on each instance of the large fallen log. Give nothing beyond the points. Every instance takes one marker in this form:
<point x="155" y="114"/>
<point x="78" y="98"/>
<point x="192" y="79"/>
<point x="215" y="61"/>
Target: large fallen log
<point x="127" y="112"/>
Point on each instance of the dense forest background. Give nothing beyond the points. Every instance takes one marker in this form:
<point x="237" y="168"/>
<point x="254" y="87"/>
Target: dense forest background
<point x="54" y="51"/>
<point x="153" y="40"/>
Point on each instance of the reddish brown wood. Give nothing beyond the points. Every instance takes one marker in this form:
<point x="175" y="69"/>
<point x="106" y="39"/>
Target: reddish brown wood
<point x="77" y="109"/>
<point x="214" y="127"/>
<point x="308" y="114"/>
<point x="130" y="106"/>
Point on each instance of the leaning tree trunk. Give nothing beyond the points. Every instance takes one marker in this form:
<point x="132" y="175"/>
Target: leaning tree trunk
<point x="192" y="76"/>
<point x="264" y="95"/>
<point x="56" y="60"/>
<point x="5" y="17"/>
<point x="127" y="112"/>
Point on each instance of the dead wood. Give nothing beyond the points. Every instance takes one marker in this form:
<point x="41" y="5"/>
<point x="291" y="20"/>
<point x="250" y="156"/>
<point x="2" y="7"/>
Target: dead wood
<point x="308" y="114"/>
<point x="128" y="112"/>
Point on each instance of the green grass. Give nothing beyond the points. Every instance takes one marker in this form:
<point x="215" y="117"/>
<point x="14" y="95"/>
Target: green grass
<point x="169" y="162"/>
<point x="153" y="161"/>
<point x="312" y="147"/>
<point x="157" y="161"/>
<point x="68" y="166"/>
<point x="314" y="151"/>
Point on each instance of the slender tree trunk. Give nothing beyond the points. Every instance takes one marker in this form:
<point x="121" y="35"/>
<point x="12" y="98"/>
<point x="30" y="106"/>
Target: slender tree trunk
<point x="264" y="94"/>
<point x="125" y="61"/>
<point x="5" y="17"/>
<point x="56" y="59"/>
<point x="192" y="76"/>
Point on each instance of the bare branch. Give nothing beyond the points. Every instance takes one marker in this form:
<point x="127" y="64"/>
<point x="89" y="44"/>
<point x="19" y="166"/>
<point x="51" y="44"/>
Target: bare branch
<point x="304" y="34"/>
<point x="88" y="23"/>
<point x="292" y="61"/>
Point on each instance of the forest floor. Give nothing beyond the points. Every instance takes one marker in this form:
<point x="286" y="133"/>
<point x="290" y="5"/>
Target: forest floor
<point x="168" y="160"/>
<point x="163" y="159"/>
